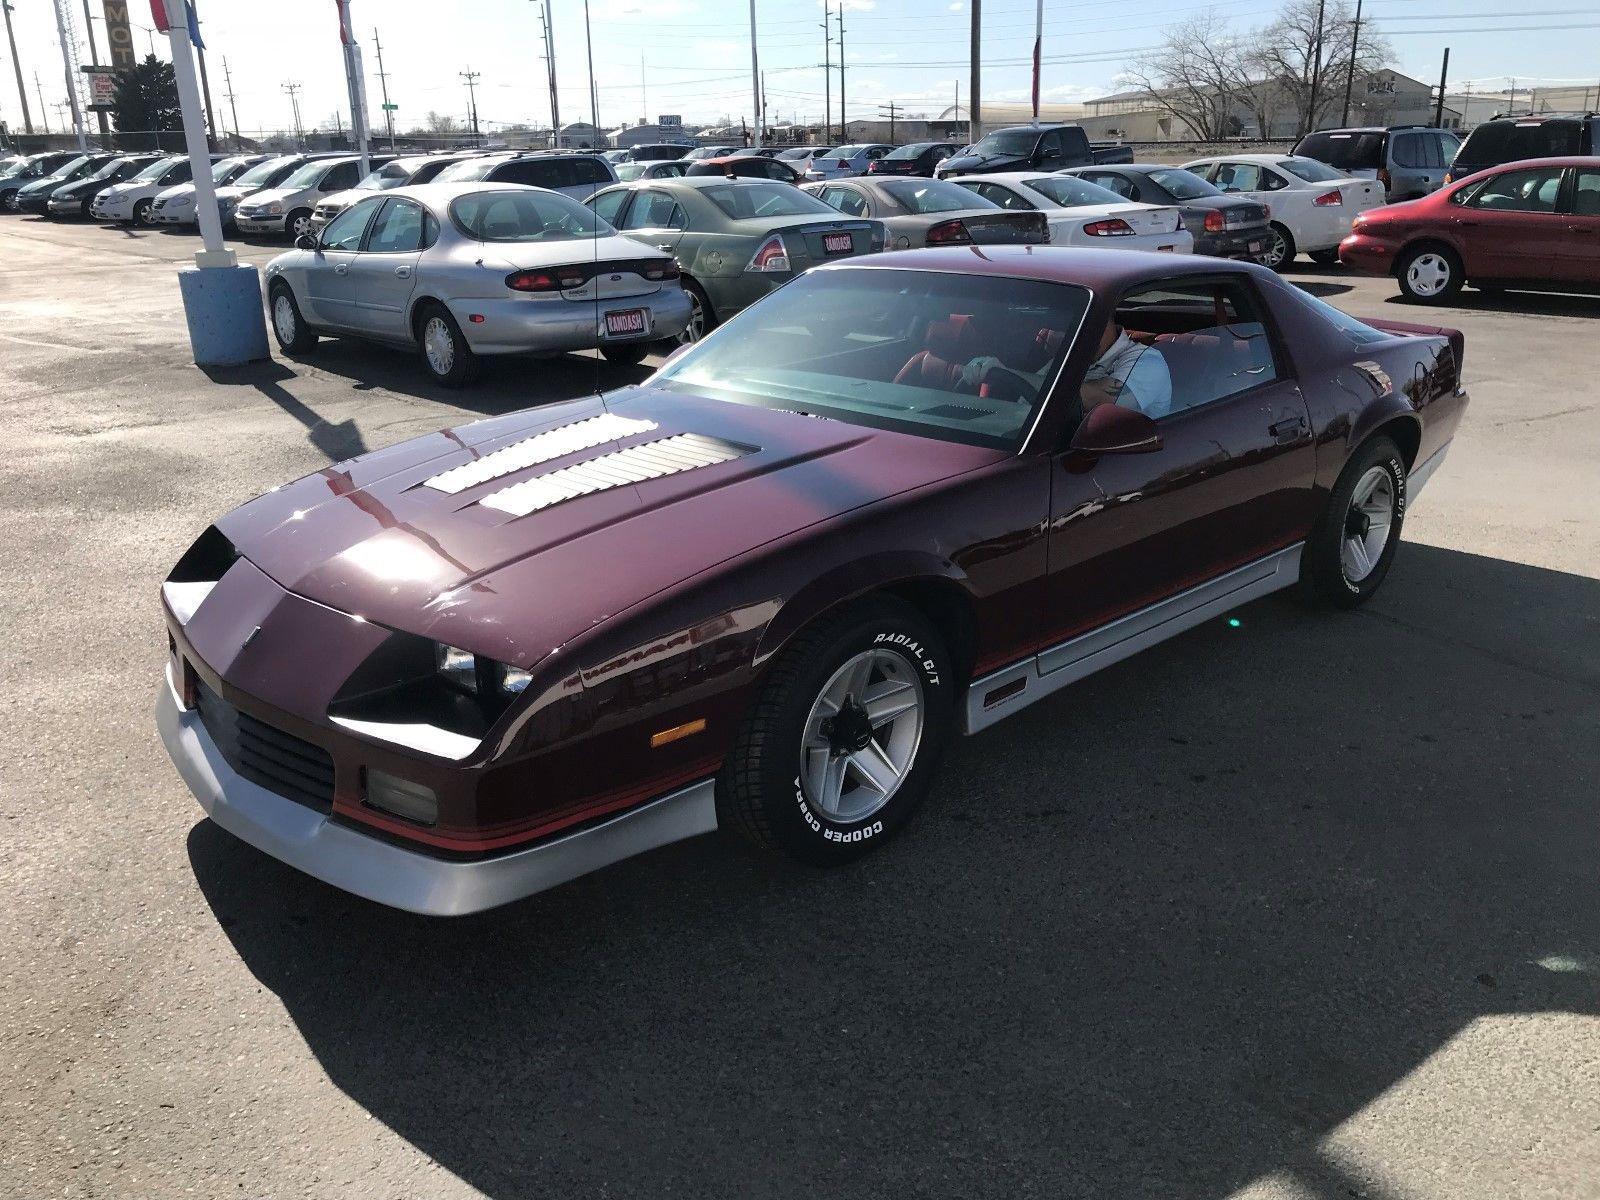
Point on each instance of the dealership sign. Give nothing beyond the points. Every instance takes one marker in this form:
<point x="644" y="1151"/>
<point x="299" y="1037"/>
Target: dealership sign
<point x="102" y="88"/>
<point x="120" y="34"/>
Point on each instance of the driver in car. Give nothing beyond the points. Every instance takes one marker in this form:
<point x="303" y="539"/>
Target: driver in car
<point x="1126" y="373"/>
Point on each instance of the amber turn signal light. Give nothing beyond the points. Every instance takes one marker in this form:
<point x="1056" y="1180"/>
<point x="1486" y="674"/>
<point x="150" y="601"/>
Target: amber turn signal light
<point x="677" y="732"/>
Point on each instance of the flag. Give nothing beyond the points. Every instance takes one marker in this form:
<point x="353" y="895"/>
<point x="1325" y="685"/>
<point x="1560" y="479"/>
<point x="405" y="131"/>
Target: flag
<point x="194" y="26"/>
<point x="158" y="15"/>
<point x="344" y="21"/>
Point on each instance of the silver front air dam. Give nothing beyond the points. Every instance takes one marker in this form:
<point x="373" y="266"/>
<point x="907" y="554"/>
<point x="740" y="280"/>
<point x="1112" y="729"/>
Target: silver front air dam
<point x="389" y="874"/>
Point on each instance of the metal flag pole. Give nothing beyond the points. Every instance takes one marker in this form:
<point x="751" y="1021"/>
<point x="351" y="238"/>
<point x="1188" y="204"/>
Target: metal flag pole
<point x="355" y="80"/>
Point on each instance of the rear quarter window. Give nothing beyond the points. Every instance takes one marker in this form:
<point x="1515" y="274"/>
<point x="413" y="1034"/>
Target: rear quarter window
<point x="1496" y="142"/>
<point x="1347" y="151"/>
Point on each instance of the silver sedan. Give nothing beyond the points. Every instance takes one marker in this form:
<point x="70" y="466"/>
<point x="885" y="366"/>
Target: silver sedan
<point x="462" y="270"/>
<point x="930" y="212"/>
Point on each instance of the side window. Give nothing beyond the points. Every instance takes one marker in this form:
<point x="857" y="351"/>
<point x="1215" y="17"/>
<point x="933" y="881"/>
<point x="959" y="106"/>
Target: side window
<point x="1586" y="196"/>
<point x="430" y="230"/>
<point x="1206" y="171"/>
<point x="1001" y="195"/>
<point x="532" y="172"/>
<point x="340" y="177"/>
<point x="1182" y="345"/>
<point x="1116" y="183"/>
<point x="589" y="170"/>
<point x="1533" y="190"/>
<point x="1409" y="150"/>
<point x="1050" y="145"/>
<point x="654" y="210"/>
<point x="398" y="229"/>
<point x="875" y="154"/>
<point x="1239" y="177"/>
<point x="344" y="231"/>
<point x="609" y="206"/>
<point x="181" y="172"/>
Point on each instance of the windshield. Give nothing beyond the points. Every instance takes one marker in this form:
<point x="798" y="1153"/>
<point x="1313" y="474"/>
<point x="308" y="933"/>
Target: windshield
<point x="68" y="169"/>
<point x="1347" y="151"/>
<point x="847" y="151"/>
<point x="1184" y="185"/>
<point x="220" y="171"/>
<point x="110" y="169"/>
<point x="154" y="169"/>
<point x="1007" y="141"/>
<point x="305" y="176"/>
<point x="260" y="174"/>
<point x="764" y="199"/>
<point x="525" y="216"/>
<point x="384" y="178"/>
<point x="834" y="343"/>
<point x="935" y="196"/>
<point x="467" y="170"/>
<point x="1069" y="192"/>
<point x="1310" y="170"/>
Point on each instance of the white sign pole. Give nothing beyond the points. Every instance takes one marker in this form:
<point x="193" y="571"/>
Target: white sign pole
<point x="215" y="254"/>
<point x="355" y="81"/>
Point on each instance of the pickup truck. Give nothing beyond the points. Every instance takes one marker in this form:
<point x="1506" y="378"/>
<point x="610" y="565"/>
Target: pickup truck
<point x="1033" y="148"/>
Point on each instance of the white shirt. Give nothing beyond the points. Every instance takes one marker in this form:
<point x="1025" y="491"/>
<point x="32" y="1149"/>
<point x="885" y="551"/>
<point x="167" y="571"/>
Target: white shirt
<point x="1137" y="376"/>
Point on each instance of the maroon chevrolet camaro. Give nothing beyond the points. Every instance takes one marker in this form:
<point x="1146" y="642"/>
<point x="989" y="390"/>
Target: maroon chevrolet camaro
<point x="900" y="498"/>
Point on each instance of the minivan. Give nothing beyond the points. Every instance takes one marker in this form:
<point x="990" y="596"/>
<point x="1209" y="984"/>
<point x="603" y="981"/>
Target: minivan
<point x="1409" y="160"/>
<point x="1536" y="135"/>
<point x="575" y="175"/>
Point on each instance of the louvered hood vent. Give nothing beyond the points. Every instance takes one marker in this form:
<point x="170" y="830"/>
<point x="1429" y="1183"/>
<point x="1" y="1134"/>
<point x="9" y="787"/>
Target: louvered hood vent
<point x="635" y="464"/>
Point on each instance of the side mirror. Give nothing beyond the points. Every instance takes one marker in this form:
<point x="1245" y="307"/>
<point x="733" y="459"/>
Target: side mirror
<point x="305" y="241"/>
<point x="1112" y="429"/>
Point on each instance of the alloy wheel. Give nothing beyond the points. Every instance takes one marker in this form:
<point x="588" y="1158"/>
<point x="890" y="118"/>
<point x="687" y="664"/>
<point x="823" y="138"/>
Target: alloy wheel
<point x="1367" y="524"/>
<point x="696" y="328"/>
<point x="439" y="345"/>
<point x="1275" y="252"/>
<point x="1428" y="274"/>
<point x="862" y="735"/>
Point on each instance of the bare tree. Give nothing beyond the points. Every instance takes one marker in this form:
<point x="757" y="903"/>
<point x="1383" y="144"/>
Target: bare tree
<point x="1306" y="66"/>
<point x="1197" y="76"/>
<point x="441" y="123"/>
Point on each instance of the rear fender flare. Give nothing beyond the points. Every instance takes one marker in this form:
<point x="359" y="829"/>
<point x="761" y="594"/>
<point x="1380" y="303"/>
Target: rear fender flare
<point x="1389" y="409"/>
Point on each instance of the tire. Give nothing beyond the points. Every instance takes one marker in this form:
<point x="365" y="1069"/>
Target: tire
<point x="141" y="214"/>
<point x="1429" y="274"/>
<point x="1325" y="258"/>
<point x="445" y="353"/>
<point x="792" y="781"/>
<point x="288" y="326"/>
<point x="630" y="354"/>
<point x="1280" y="251"/>
<point x="702" y="317"/>
<point x="1333" y="571"/>
<point x="297" y="223"/>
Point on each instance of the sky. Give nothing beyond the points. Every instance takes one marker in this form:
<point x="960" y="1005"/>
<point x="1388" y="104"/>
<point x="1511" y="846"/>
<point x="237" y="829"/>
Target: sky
<point x="692" y="57"/>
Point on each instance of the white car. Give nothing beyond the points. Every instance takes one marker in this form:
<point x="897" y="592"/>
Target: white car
<point x="287" y="208"/>
<point x="132" y="202"/>
<point x="175" y="205"/>
<point x="1081" y="213"/>
<point x="1312" y="204"/>
<point x="412" y="171"/>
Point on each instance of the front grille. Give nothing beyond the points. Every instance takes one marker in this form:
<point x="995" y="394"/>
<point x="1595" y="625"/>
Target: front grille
<point x="263" y="754"/>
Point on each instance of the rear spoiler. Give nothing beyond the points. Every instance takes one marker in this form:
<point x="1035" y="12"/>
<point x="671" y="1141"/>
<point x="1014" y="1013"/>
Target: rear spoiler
<point x="1458" y="342"/>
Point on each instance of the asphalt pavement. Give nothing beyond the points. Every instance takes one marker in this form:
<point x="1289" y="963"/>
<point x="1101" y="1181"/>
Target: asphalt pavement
<point x="1303" y="909"/>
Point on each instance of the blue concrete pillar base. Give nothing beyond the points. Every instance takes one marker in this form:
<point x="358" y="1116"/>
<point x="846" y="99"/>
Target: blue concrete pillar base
<point x="223" y="308"/>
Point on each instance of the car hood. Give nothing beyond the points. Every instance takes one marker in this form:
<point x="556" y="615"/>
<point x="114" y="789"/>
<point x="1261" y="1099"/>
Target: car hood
<point x="374" y="538"/>
<point x="987" y="163"/>
<point x="175" y="192"/>
<point x="234" y="192"/>
<point x="268" y="195"/>
<point x="44" y="185"/>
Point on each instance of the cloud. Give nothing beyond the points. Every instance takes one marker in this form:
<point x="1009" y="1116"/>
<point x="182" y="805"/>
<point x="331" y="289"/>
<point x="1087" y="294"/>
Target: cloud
<point x="958" y="6"/>
<point x="850" y="5"/>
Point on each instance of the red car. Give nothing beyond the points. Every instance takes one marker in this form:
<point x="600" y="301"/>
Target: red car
<point x="899" y="499"/>
<point x="1533" y="224"/>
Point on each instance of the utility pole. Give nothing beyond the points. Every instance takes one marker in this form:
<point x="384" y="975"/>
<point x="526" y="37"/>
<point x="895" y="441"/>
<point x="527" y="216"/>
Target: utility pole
<point x="1316" y="70"/>
<point x="956" y="112"/>
<point x="844" y="125"/>
<point x="69" y="62"/>
<point x="94" y="61"/>
<point x="975" y="66"/>
<point x="1350" y="67"/>
<point x="644" y="93"/>
<point x="1511" y="104"/>
<point x="205" y="80"/>
<point x="383" y="82"/>
<point x="472" y="99"/>
<point x="1038" y="45"/>
<point x="550" y="72"/>
<point x="16" y="63"/>
<point x="755" y="76"/>
<point x="827" y="73"/>
<point x="232" y="106"/>
<point x="594" y="96"/>
<point x="1444" y="75"/>
<point x="294" y="104"/>
<point x="894" y="110"/>
<point x="44" y="113"/>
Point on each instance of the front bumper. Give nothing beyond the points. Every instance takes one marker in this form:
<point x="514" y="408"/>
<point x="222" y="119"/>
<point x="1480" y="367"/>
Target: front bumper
<point x="173" y="216"/>
<point x="1362" y="252"/>
<point x="339" y="854"/>
<point x="549" y="325"/>
<point x="111" y="212"/>
<point x="258" y="224"/>
<point x="64" y="207"/>
<point x="33" y="204"/>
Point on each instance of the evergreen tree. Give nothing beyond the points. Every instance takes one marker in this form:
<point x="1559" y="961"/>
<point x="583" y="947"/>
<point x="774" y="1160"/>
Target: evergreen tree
<point x="146" y="106"/>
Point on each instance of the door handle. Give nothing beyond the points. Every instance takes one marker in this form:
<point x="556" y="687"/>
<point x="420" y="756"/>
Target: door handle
<point x="403" y="272"/>
<point x="1287" y="430"/>
<point x="667" y="246"/>
<point x="342" y="269"/>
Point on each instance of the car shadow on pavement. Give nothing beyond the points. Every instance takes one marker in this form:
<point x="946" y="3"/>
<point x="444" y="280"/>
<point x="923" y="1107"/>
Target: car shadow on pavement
<point x="1156" y="936"/>
<point x="1536" y="304"/>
